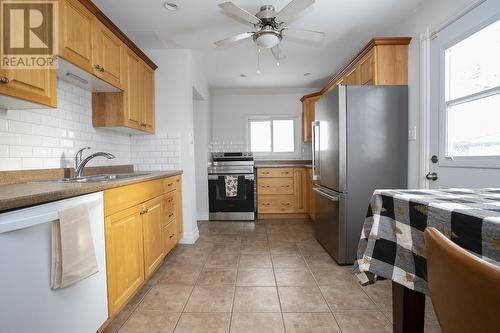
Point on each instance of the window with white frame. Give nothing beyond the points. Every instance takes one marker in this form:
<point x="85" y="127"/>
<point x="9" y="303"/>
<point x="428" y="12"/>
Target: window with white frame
<point x="272" y="135"/>
<point x="472" y="94"/>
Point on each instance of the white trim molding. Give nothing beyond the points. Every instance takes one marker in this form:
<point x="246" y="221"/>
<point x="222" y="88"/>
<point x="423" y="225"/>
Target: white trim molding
<point x="425" y="108"/>
<point x="191" y="237"/>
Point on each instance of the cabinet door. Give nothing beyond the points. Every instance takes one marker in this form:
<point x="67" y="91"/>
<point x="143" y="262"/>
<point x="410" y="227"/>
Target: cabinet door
<point x="300" y="190"/>
<point x="33" y="85"/>
<point x="75" y="34"/>
<point x="367" y="69"/>
<point x="178" y="205"/>
<point x="124" y="256"/>
<point x="353" y="78"/>
<point x="152" y="225"/>
<point x="306" y="122"/>
<point x="133" y="89"/>
<point x="148" y="102"/>
<point x="107" y="55"/>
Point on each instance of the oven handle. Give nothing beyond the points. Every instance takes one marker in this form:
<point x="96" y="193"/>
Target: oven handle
<point x="216" y="177"/>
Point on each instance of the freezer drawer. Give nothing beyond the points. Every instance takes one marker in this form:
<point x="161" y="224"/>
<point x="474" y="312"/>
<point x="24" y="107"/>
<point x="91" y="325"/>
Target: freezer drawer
<point x="330" y="224"/>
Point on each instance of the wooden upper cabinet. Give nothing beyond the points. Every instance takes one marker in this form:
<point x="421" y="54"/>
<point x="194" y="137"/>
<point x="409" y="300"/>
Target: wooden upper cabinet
<point x="366" y="69"/>
<point x="33" y="85"/>
<point x="108" y="52"/>
<point x="308" y="110"/>
<point x="133" y="89"/>
<point x="152" y="224"/>
<point x="383" y="61"/>
<point x="148" y="98"/>
<point x="124" y="256"/>
<point x="75" y="34"/>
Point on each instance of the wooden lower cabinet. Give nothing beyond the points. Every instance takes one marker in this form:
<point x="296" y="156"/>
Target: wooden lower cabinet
<point x="300" y="190"/>
<point x="124" y="256"/>
<point x="152" y="223"/>
<point x="282" y="190"/>
<point x="142" y="221"/>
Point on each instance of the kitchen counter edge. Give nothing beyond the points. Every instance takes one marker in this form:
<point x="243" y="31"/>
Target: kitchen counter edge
<point x="17" y="196"/>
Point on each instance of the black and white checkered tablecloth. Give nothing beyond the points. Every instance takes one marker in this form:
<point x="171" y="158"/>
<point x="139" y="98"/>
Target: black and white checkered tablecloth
<point x="392" y="240"/>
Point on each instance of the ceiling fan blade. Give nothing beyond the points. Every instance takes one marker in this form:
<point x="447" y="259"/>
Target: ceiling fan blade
<point x="233" y="10"/>
<point x="308" y="35"/>
<point x="234" y="39"/>
<point x="292" y="9"/>
<point x="278" y="53"/>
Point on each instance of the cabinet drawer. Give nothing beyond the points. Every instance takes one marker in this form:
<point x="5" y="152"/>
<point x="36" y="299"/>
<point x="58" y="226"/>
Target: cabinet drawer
<point x="275" y="186"/>
<point x="170" y="236"/>
<point x="169" y="215"/>
<point x="120" y="198"/>
<point x="169" y="184"/>
<point x="275" y="172"/>
<point x="276" y="203"/>
<point x="169" y="201"/>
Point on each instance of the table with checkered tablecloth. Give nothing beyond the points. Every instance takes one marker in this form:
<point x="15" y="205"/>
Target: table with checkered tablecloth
<point x="392" y="240"/>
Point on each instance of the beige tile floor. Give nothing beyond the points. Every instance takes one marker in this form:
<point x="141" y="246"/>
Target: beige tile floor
<point x="263" y="277"/>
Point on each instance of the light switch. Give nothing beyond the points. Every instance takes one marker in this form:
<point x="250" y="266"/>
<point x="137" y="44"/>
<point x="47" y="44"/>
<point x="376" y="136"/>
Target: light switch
<point x="412" y="133"/>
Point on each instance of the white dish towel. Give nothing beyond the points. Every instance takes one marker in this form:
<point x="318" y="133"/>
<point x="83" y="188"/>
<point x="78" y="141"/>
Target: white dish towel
<point x="73" y="254"/>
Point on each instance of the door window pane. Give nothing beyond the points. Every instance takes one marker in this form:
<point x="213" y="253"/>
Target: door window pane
<point x="260" y="136"/>
<point x="283" y="138"/>
<point x="473" y="65"/>
<point x="474" y="127"/>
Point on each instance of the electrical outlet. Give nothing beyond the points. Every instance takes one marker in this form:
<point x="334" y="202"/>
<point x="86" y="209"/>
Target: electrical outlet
<point x="412" y="133"/>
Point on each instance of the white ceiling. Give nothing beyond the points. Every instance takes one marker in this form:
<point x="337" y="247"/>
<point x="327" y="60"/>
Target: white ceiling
<point x="348" y="24"/>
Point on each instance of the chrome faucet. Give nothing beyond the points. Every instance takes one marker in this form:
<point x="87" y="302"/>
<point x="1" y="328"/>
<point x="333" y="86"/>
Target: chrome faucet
<point x="80" y="164"/>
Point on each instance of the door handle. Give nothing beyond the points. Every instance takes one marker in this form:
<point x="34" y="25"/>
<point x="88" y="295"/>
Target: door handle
<point x="432" y="176"/>
<point x="326" y="195"/>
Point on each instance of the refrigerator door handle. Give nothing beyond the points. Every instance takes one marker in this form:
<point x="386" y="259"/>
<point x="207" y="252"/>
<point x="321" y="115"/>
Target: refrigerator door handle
<point x="324" y="194"/>
<point x="315" y="146"/>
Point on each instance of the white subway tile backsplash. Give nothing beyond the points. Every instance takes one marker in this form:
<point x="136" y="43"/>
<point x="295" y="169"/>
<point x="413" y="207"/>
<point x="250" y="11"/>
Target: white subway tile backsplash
<point x="49" y="138"/>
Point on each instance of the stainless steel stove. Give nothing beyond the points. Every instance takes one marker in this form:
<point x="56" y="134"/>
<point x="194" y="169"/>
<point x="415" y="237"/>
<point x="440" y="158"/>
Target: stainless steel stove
<point x="236" y="208"/>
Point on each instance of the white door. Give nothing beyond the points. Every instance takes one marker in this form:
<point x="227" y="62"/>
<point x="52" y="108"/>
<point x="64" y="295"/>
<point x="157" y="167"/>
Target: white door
<point x="465" y="101"/>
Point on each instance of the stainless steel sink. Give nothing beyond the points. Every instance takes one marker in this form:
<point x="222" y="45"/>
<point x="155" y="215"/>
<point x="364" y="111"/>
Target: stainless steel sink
<point x="95" y="178"/>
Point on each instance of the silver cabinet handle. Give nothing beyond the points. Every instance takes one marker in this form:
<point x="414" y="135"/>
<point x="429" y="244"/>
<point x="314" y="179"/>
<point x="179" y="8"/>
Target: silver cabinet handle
<point x="4" y="80"/>
<point x="432" y="176"/>
<point x="326" y="195"/>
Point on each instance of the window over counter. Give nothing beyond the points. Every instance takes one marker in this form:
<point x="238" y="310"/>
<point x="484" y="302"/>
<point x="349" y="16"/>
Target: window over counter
<point x="273" y="135"/>
<point x="472" y="95"/>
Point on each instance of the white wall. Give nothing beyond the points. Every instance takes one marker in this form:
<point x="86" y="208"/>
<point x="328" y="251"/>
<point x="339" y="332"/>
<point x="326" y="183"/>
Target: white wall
<point x="202" y="135"/>
<point x="430" y="14"/>
<point x="231" y="109"/>
<point x="176" y="77"/>
<point x="48" y="138"/>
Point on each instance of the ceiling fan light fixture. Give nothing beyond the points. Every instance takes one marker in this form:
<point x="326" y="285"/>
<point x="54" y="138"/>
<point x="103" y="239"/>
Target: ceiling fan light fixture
<point x="267" y="38"/>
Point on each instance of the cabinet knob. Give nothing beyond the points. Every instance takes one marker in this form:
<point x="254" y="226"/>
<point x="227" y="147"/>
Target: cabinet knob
<point x="99" y="68"/>
<point x="4" y="80"/>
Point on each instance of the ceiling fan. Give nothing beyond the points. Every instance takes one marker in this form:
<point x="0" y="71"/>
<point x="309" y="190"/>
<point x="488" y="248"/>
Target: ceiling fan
<point x="271" y="26"/>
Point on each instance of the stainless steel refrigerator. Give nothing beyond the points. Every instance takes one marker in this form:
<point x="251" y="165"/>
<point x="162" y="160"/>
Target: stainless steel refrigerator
<point x="360" y="143"/>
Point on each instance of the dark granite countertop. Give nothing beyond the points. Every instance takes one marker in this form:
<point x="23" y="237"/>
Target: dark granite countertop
<point x="21" y="195"/>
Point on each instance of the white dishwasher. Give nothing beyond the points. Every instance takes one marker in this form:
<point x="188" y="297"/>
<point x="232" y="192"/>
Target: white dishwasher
<point x="27" y="303"/>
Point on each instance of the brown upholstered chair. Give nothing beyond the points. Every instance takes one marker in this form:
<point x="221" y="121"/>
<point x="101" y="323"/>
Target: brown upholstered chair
<point x="465" y="290"/>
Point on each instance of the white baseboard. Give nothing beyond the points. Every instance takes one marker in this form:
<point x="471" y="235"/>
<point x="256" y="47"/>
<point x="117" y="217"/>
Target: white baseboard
<point x="203" y="216"/>
<point x="190" y="238"/>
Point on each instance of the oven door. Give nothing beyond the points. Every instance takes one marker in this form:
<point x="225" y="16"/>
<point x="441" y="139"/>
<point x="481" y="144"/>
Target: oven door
<point x="243" y="202"/>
